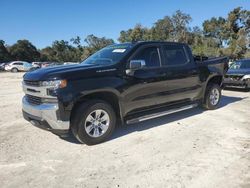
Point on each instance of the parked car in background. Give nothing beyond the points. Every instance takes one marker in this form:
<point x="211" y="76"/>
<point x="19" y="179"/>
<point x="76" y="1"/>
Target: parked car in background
<point x="44" y="64"/>
<point x="17" y="66"/>
<point x="2" y="66"/>
<point x="36" y="64"/>
<point x="70" y="63"/>
<point x="49" y="64"/>
<point x="238" y="75"/>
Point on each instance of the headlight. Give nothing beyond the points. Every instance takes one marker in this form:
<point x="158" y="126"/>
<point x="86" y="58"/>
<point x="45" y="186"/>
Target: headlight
<point x="246" y="77"/>
<point x="54" y="84"/>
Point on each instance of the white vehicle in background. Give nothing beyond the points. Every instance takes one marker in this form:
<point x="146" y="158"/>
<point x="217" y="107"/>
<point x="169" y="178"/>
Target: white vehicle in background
<point x="70" y="63"/>
<point x="17" y="66"/>
<point x="36" y="64"/>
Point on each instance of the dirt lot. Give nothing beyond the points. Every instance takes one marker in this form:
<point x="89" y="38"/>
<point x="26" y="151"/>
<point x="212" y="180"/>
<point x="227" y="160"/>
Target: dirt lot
<point x="194" y="148"/>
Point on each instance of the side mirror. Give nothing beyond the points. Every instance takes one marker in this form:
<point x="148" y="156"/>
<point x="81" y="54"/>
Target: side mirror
<point x="136" y="64"/>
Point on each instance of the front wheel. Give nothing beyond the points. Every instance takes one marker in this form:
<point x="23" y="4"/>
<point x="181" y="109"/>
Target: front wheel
<point x="212" y="97"/>
<point x="14" y="70"/>
<point x="93" y="122"/>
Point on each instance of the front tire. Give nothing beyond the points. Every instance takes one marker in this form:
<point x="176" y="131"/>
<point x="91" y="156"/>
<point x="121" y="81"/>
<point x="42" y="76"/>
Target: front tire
<point x="93" y="122"/>
<point x="14" y="70"/>
<point x="212" y="97"/>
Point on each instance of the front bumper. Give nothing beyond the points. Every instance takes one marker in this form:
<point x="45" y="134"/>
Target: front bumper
<point x="244" y="84"/>
<point x="44" y="116"/>
<point x="7" y="68"/>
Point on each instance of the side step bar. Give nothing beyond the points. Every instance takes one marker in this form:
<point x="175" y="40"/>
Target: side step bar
<point x="159" y="114"/>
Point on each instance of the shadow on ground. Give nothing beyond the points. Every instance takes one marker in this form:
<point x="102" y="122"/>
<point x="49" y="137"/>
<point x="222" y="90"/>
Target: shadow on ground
<point x="124" y="130"/>
<point x="226" y="100"/>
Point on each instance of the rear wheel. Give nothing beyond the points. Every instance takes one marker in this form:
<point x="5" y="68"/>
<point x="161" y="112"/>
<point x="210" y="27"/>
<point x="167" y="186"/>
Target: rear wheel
<point x="93" y="122"/>
<point x="212" y="97"/>
<point x="14" y="70"/>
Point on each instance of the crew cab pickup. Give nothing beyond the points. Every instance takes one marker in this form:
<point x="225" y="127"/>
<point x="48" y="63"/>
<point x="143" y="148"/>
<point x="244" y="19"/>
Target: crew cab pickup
<point x="125" y="83"/>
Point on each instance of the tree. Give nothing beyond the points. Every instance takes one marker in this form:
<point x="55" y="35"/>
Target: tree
<point x="64" y="51"/>
<point x="48" y="54"/>
<point x="94" y="44"/>
<point x="4" y="54"/>
<point x="173" y="28"/>
<point x="162" y="29"/>
<point x="240" y="44"/>
<point x="180" y="23"/>
<point x="219" y="36"/>
<point x="139" y="33"/>
<point x="76" y="41"/>
<point x="125" y="36"/>
<point x="23" y="50"/>
<point x="97" y="43"/>
<point x="215" y="27"/>
<point x="237" y="29"/>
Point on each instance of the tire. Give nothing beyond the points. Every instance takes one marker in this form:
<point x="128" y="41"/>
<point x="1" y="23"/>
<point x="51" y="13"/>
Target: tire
<point x="14" y="70"/>
<point x="84" y="130"/>
<point x="212" y="97"/>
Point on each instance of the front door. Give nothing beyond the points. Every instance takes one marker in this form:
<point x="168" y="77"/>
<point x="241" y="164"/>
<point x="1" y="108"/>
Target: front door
<point x="144" y="87"/>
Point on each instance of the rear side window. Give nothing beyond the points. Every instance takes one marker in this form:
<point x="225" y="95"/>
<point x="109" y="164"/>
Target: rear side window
<point x="150" y="55"/>
<point x="17" y="63"/>
<point x="174" y="55"/>
<point x="246" y="65"/>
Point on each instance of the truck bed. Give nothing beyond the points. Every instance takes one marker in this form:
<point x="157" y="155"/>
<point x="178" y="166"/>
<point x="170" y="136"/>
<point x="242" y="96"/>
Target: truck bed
<point x="219" y="64"/>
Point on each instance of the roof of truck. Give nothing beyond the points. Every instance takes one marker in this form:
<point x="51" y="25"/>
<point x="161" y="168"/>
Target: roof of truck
<point x="153" y="42"/>
<point x="138" y="43"/>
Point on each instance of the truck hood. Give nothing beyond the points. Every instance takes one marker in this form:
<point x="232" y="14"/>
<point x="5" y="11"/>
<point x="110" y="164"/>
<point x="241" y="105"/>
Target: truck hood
<point x="66" y="72"/>
<point x="238" y="71"/>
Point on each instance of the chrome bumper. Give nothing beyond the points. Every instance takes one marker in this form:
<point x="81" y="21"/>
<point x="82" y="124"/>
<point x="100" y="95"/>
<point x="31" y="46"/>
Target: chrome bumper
<point x="44" y="113"/>
<point x="236" y="84"/>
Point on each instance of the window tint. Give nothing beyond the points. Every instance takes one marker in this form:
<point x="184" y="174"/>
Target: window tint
<point x="17" y="63"/>
<point x="174" y="55"/>
<point x="150" y="56"/>
<point x="109" y="55"/>
<point x="246" y="65"/>
<point x="240" y="65"/>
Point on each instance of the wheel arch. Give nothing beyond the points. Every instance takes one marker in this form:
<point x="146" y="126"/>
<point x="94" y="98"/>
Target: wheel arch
<point x="217" y="79"/>
<point x="108" y="96"/>
<point x="14" y="68"/>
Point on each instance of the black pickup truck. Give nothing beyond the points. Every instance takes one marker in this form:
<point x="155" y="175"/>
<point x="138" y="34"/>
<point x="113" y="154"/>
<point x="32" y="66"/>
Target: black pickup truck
<point x="129" y="83"/>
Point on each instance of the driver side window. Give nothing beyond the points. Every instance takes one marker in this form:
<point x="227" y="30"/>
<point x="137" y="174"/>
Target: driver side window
<point x="150" y="55"/>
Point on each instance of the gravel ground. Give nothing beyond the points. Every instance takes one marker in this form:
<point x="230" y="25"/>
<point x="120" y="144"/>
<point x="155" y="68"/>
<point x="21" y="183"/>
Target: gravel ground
<point x="193" y="148"/>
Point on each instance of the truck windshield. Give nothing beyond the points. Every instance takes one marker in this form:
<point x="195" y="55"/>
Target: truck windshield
<point x="240" y="65"/>
<point x="109" y="55"/>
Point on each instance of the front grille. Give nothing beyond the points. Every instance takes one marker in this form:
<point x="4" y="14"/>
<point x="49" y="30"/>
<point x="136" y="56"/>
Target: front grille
<point x="32" y="83"/>
<point x="34" y="100"/>
<point x="234" y="77"/>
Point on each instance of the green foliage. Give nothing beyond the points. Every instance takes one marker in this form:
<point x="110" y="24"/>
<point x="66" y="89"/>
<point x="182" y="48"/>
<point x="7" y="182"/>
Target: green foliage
<point x="215" y="28"/>
<point x="220" y="36"/>
<point x="247" y="54"/>
<point x="94" y="44"/>
<point x="4" y="54"/>
<point x="174" y="28"/>
<point x="162" y="29"/>
<point x="25" y="51"/>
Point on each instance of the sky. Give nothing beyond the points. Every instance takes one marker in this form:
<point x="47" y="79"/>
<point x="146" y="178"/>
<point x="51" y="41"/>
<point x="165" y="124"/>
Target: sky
<point x="44" y="21"/>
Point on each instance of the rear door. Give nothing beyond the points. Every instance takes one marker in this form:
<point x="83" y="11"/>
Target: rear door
<point x="182" y="81"/>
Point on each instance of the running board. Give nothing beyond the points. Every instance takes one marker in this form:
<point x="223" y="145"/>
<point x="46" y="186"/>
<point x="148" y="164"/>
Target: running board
<point x="159" y="114"/>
